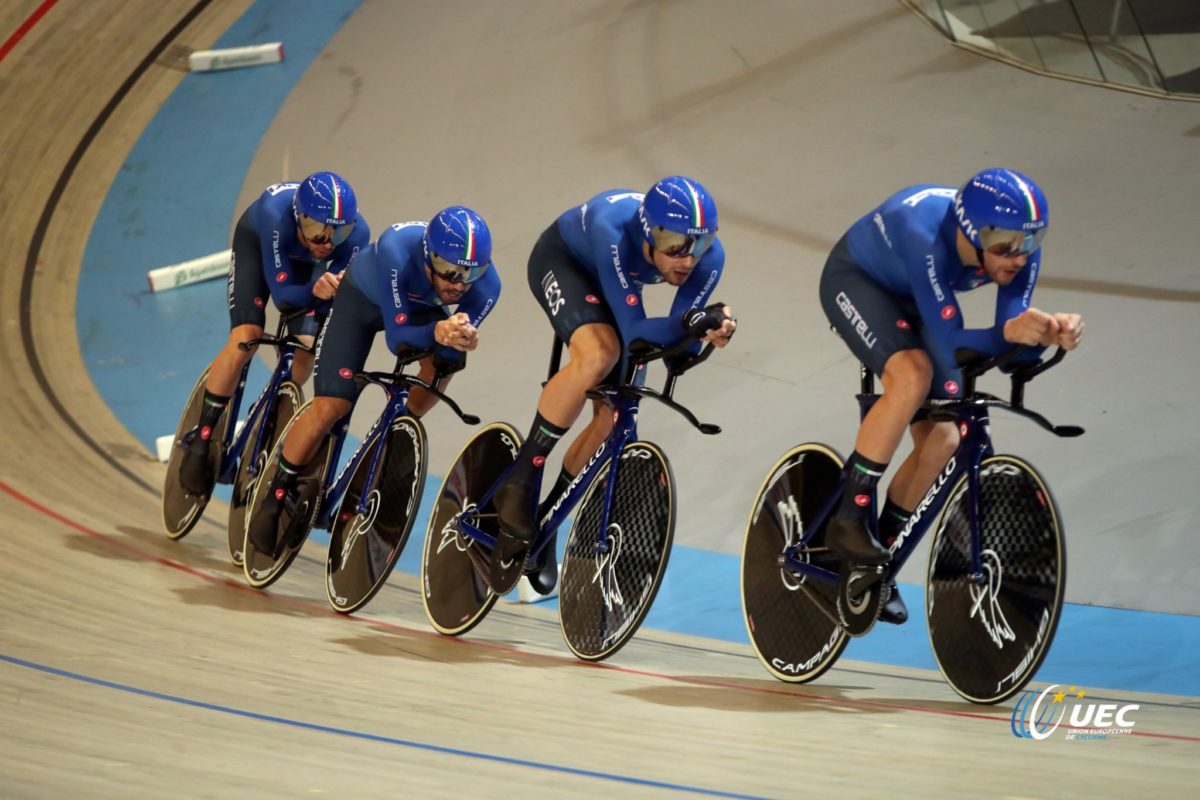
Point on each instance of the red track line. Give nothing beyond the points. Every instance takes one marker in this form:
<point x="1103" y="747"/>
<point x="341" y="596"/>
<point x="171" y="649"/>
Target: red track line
<point x="25" y="27"/>
<point x="311" y="606"/>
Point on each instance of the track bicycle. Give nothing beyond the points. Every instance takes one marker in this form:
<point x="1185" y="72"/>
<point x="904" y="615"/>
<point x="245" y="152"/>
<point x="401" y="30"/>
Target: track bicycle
<point x="237" y="453"/>
<point x="997" y="567"/>
<point x="369" y="506"/>
<point x="618" y="546"/>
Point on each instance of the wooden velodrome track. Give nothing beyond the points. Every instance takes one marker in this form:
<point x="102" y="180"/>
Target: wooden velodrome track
<point x="135" y="667"/>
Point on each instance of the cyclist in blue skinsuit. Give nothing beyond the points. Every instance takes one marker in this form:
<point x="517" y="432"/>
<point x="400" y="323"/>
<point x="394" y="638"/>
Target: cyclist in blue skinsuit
<point x="889" y="289"/>
<point x="402" y="285"/>
<point x="587" y="272"/>
<point x="290" y="245"/>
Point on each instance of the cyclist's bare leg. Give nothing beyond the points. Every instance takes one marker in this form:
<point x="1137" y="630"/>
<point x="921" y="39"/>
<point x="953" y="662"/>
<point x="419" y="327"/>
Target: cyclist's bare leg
<point x="226" y="368"/>
<point x="419" y="400"/>
<point x="302" y="362"/>
<point x="589" y="438"/>
<point x="933" y="444"/>
<point x="309" y="429"/>
<point x="594" y="350"/>
<point x="195" y="473"/>
<point x="906" y="378"/>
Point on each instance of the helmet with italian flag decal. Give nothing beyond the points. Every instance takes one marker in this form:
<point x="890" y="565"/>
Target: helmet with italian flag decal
<point x="1003" y="211"/>
<point x="458" y="245"/>
<point x="679" y="217"/>
<point x="325" y="208"/>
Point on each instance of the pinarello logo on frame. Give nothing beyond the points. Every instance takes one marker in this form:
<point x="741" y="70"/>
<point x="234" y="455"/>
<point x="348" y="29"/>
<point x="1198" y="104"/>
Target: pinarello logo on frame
<point x="401" y="319"/>
<point x="631" y="299"/>
<point x="947" y="312"/>
<point x="346" y="373"/>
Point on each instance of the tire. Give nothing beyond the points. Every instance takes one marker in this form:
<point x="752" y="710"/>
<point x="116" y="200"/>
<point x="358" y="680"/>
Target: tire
<point x="181" y="510"/>
<point x="261" y="569"/>
<point x="455" y="597"/>
<point x="788" y="616"/>
<point x="364" y="548"/>
<point x="604" y="597"/>
<point x="989" y="640"/>
<point x="288" y="397"/>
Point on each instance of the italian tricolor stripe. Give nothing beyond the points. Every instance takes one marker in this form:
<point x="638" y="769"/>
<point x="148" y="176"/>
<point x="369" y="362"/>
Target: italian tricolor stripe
<point x="337" y="200"/>
<point x="469" y="249"/>
<point x="1035" y="213"/>
<point x="697" y="207"/>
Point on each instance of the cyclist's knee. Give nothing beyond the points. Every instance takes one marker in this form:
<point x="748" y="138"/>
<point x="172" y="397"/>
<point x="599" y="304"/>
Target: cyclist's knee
<point x="908" y="374"/>
<point x="327" y="410"/>
<point x="240" y="334"/>
<point x="942" y="439"/>
<point x="595" y="350"/>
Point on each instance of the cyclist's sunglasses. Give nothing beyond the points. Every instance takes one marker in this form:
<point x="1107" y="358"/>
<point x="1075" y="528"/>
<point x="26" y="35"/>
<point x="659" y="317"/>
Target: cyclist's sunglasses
<point x="679" y="245"/>
<point x="453" y="273"/>
<point x="1008" y="243"/>
<point x="318" y="233"/>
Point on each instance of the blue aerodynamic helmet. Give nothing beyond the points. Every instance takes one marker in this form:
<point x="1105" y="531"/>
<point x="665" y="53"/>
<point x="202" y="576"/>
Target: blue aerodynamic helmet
<point x="1002" y="208"/>
<point x="325" y="200"/>
<point x="678" y="217"/>
<point x="458" y="245"/>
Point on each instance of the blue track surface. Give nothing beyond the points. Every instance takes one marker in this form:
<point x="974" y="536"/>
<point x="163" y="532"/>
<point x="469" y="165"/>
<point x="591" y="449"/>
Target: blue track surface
<point x="173" y="200"/>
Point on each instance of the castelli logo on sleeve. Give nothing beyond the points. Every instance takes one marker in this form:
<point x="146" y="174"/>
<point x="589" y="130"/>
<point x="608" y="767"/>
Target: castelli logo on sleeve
<point x="951" y="387"/>
<point x="538" y="461"/>
<point x="259" y="302"/>
<point x="631" y="299"/>
<point x="947" y="312"/>
<point x="401" y="319"/>
<point x="346" y="373"/>
<point x="862" y="500"/>
<point x="903" y="325"/>
<point x="591" y="298"/>
<point x="280" y="277"/>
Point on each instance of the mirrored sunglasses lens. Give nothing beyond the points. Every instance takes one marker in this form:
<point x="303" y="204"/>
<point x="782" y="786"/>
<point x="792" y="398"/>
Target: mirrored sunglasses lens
<point x="450" y="272"/>
<point x="678" y="245"/>
<point x="342" y="232"/>
<point x="312" y="229"/>
<point x="1002" y="242"/>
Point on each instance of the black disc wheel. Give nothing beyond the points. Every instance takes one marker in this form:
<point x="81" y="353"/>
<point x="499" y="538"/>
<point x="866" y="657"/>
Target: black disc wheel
<point x="181" y="509"/>
<point x="791" y="617"/>
<point x="605" y="595"/>
<point x="265" y="432"/>
<point x="372" y="525"/>
<point x="990" y="632"/>
<point x="455" y="595"/>
<point x="296" y="519"/>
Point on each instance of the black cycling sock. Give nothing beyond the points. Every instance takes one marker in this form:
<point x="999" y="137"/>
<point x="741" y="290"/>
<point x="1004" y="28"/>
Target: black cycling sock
<point x="543" y="435"/>
<point x="891" y="521"/>
<point x="286" y="475"/>
<point x="214" y="406"/>
<point x="860" y="485"/>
